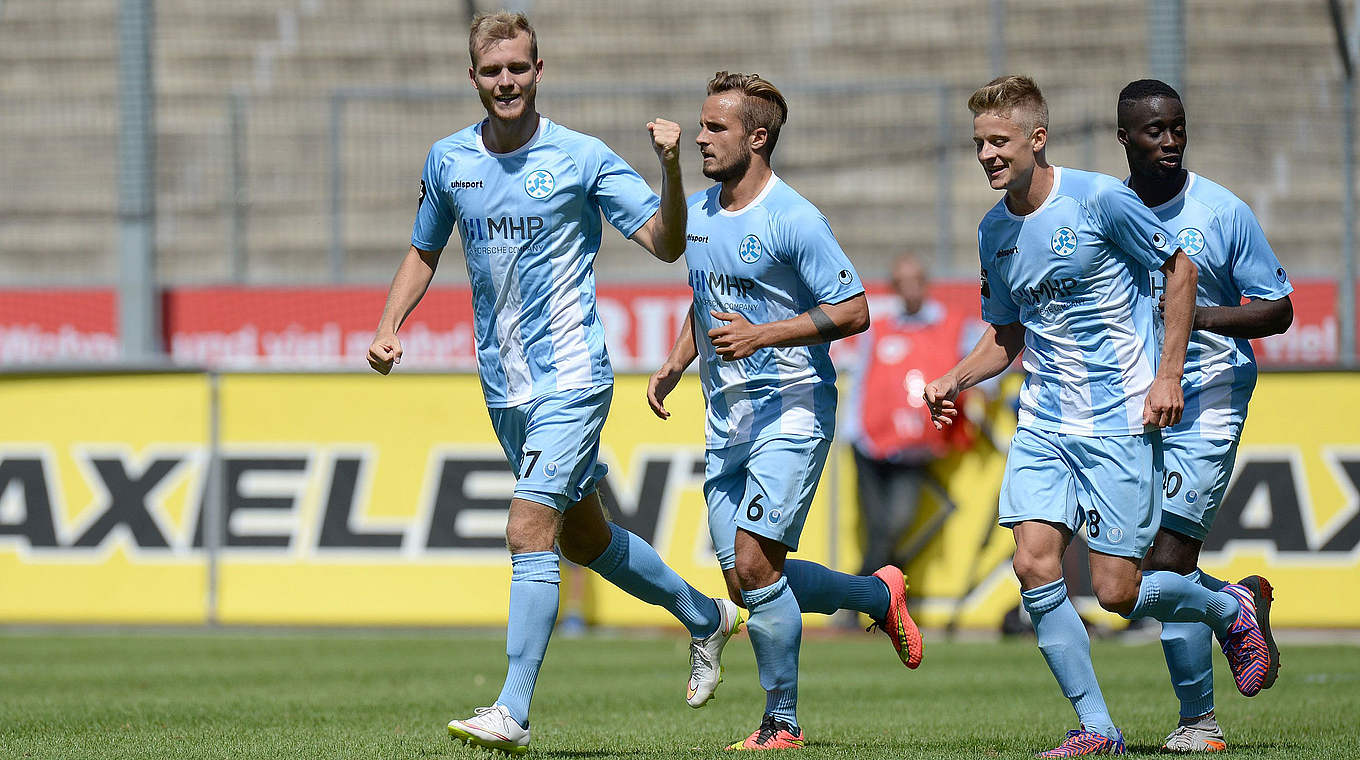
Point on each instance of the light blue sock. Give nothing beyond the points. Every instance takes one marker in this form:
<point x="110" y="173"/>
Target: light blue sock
<point x="823" y="590"/>
<point x="776" y="629"/>
<point x="634" y="566"/>
<point x="533" y="610"/>
<point x="1067" y="648"/>
<point x="1172" y="598"/>
<point x="1187" y="647"/>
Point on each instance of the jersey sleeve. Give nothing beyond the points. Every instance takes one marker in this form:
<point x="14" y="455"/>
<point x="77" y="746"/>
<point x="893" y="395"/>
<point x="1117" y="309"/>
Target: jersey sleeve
<point x="1124" y="221"/>
<point x="1256" y="271"/>
<point x="621" y="193"/>
<point x="998" y="307"/>
<point x="818" y="258"/>
<point x="434" y="216"/>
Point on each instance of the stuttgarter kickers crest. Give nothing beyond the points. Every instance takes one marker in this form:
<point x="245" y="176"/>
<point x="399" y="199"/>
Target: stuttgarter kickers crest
<point x="540" y="184"/>
<point x="1064" y="241"/>
<point x="1190" y="240"/>
<point x="750" y="249"/>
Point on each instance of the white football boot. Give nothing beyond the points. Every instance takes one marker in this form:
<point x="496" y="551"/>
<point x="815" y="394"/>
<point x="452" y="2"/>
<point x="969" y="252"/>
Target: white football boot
<point x="705" y="655"/>
<point x="492" y="727"/>
<point x="1203" y="735"/>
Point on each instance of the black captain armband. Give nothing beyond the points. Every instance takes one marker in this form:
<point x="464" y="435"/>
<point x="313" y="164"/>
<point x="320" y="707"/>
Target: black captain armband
<point x="826" y="327"/>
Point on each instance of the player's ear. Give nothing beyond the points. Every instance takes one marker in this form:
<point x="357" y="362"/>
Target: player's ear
<point x="538" y="71"/>
<point x="472" y="76"/>
<point x="758" y="137"/>
<point x="1122" y="135"/>
<point x="1039" y="138"/>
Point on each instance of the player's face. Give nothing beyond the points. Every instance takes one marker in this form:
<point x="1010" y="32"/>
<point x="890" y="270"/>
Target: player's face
<point x="506" y="77"/>
<point x="1005" y="150"/>
<point x="722" y="140"/>
<point x="1154" y="137"/>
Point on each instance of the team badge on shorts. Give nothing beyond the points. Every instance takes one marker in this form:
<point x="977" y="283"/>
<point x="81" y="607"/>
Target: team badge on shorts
<point x="1116" y="535"/>
<point x="750" y="249"/>
<point x="1190" y="240"/>
<point x="1191" y="496"/>
<point x="775" y="516"/>
<point x="540" y="184"/>
<point x="1065" y="241"/>
<point x="550" y="469"/>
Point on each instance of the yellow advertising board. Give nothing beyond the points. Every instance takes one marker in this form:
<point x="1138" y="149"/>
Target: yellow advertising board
<point x="359" y="499"/>
<point x="100" y="478"/>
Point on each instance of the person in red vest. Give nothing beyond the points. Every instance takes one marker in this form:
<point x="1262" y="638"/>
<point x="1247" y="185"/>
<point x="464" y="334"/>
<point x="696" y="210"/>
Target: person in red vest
<point x="888" y="423"/>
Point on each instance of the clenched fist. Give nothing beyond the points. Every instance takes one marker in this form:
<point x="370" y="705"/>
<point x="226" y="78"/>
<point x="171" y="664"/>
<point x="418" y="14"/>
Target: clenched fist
<point x="665" y="140"/>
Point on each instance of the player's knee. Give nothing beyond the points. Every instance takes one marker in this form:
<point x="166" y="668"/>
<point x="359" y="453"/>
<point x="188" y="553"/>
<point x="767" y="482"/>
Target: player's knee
<point x="754" y="572"/>
<point x="1117" y="595"/>
<point x="584" y="542"/>
<point x="1034" y="570"/>
<point x="582" y="549"/>
<point x="1171" y="551"/>
<point x="526" y="536"/>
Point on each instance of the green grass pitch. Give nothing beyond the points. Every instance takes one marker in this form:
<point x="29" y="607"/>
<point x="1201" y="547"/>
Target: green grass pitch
<point x="388" y="695"/>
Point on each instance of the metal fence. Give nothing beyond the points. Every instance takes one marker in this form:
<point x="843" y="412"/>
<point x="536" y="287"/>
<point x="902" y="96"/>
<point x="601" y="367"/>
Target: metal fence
<point x="289" y="135"/>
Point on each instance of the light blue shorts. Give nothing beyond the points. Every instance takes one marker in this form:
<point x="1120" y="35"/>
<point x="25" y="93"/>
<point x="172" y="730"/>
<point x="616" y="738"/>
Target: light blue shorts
<point x="1197" y="475"/>
<point x="553" y="444"/>
<point x="1109" y="484"/>
<point x="763" y="486"/>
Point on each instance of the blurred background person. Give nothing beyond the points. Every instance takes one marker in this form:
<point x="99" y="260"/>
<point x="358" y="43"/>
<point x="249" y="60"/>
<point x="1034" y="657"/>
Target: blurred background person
<point x="887" y="423"/>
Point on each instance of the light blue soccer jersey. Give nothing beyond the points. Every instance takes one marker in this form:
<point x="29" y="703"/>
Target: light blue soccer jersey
<point x="1075" y="273"/>
<point x="773" y="259"/>
<point x="1221" y="235"/>
<point x="530" y="225"/>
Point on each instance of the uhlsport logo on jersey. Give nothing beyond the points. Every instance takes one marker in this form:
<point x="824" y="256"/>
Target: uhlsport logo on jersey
<point x="1159" y="241"/>
<point x="540" y="184"/>
<point x="845" y="276"/>
<point x="1190" y="240"/>
<point x="1064" y="241"/>
<point x="750" y="249"/>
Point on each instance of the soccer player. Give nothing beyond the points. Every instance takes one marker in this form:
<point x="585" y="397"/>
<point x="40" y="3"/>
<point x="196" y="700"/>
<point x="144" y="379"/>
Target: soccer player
<point x="1066" y="261"/>
<point x="526" y="196"/>
<point x="772" y="288"/>
<point x="1223" y="238"/>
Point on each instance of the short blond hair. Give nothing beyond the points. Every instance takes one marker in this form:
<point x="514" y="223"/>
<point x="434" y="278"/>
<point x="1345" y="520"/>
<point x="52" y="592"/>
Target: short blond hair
<point x="502" y="25"/>
<point x="1014" y="97"/>
<point x="764" y="105"/>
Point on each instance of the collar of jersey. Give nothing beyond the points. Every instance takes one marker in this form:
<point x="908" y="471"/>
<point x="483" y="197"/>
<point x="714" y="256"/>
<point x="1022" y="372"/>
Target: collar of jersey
<point x="532" y="140"/>
<point x="1185" y="189"/>
<point x="756" y="201"/>
<point x="1053" y="193"/>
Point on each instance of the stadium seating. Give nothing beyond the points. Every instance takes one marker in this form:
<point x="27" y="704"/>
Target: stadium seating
<point x="1262" y="97"/>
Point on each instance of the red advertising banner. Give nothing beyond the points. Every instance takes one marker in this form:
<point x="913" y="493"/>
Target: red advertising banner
<point x="288" y="327"/>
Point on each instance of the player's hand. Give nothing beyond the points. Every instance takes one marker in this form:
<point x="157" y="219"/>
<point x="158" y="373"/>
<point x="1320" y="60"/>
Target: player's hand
<point x="665" y="140"/>
<point x="940" y="395"/>
<point x="737" y="339"/>
<point x="1164" y="403"/>
<point x="659" y="386"/>
<point x="383" y="352"/>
